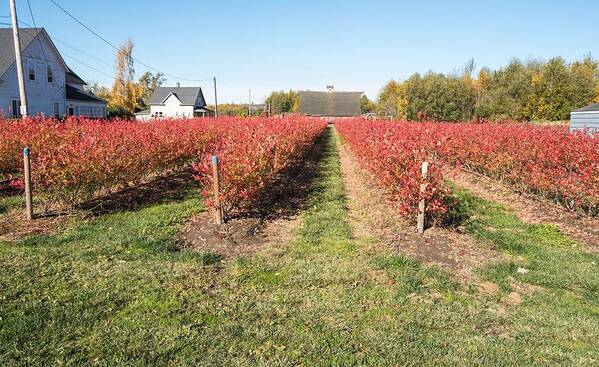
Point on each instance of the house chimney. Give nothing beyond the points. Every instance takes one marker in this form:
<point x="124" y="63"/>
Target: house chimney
<point x="178" y="85"/>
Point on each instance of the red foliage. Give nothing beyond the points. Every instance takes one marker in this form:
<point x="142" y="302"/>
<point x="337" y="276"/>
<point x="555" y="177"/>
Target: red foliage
<point x="252" y="152"/>
<point x="546" y="160"/>
<point x="394" y="154"/>
<point x="74" y="160"/>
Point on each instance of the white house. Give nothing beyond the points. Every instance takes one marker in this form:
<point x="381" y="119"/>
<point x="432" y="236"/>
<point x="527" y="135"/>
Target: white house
<point x="53" y="89"/>
<point x="176" y="102"/>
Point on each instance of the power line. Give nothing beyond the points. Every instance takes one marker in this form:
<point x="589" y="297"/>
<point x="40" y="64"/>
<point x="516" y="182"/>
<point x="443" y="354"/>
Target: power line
<point x="68" y="45"/>
<point x="116" y="48"/>
<point x="65" y="54"/>
<point x="38" y="37"/>
<point x="84" y="64"/>
<point x="24" y="30"/>
<point x="84" y="53"/>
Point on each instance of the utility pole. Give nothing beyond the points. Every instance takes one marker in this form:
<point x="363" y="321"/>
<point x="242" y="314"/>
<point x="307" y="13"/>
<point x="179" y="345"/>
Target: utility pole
<point x="15" y="32"/>
<point x="249" y="102"/>
<point x="215" y="100"/>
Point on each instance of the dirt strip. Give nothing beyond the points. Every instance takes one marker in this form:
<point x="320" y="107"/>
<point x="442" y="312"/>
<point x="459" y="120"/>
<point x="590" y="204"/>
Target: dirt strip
<point x="370" y="215"/>
<point x="531" y="209"/>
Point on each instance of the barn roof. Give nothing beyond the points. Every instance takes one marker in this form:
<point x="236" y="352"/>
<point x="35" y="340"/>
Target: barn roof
<point x="187" y="95"/>
<point x="591" y="108"/>
<point x="339" y="104"/>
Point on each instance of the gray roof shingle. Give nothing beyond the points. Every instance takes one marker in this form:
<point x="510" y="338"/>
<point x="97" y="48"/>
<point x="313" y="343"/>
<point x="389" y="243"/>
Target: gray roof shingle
<point x="187" y="95"/>
<point x="591" y="108"/>
<point x="337" y="104"/>
<point x="7" y="56"/>
<point x="75" y="94"/>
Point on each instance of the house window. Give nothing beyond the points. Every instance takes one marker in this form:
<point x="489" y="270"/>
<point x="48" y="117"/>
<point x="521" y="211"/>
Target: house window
<point x="50" y="74"/>
<point x="31" y="69"/>
<point x="16" y="108"/>
<point x="56" y="109"/>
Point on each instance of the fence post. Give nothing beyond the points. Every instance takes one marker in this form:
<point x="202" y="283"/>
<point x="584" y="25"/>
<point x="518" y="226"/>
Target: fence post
<point x="218" y="210"/>
<point x="422" y="203"/>
<point x="27" y="178"/>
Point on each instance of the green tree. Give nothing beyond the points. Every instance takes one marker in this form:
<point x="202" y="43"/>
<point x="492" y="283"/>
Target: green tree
<point x="366" y="105"/>
<point x="392" y="100"/>
<point x="440" y="97"/>
<point x="508" y="92"/>
<point x="281" y="101"/>
<point x="584" y="79"/>
<point x="552" y="92"/>
<point x="148" y="83"/>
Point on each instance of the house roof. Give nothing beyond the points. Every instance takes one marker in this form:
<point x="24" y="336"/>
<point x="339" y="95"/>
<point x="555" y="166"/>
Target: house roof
<point x="143" y="112"/>
<point x="590" y="108"/>
<point x="27" y="35"/>
<point x="187" y="95"/>
<point x="7" y="56"/>
<point x="71" y="77"/>
<point x="75" y="94"/>
<point x="340" y="104"/>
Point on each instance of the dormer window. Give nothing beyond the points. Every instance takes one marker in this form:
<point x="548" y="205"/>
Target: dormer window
<point x="50" y="74"/>
<point x="31" y="69"/>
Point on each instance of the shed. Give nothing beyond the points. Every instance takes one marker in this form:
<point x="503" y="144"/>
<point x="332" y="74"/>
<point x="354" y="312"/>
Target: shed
<point x="330" y="103"/>
<point x="585" y="118"/>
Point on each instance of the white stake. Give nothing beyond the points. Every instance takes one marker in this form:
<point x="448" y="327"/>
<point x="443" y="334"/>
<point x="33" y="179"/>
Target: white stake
<point x="422" y="203"/>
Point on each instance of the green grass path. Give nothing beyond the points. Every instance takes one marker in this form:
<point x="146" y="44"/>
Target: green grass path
<point x="112" y="292"/>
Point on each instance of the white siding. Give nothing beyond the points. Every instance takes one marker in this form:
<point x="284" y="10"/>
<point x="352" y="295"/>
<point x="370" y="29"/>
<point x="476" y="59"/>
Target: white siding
<point x="143" y="117"/>
<point x="89" y="109"/>
<point x="581" y="120"/>
<point x="172" y="108"/>
<point x="41" y="95"/>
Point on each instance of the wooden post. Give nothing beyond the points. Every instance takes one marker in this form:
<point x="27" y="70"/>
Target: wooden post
<point x="218" y="210"/>
<point x="27" y="174"/>
<point x="422" y="203"/>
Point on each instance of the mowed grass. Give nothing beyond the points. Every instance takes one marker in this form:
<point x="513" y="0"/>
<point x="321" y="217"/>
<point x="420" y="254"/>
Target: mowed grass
<point x="113" y="292"/>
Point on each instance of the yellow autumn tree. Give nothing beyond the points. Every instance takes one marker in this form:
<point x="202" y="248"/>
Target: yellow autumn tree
<point x="125" y="93"/>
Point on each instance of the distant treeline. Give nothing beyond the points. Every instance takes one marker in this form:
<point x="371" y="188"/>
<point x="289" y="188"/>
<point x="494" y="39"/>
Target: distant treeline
<point x="533" y="90"/>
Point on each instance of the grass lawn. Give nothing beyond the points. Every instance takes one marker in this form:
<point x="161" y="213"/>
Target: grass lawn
<point x="112" y="291"/>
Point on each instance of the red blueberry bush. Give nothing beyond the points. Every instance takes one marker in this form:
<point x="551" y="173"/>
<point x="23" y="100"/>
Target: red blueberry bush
<point x="545" y="160"/>
<point x="75" y="160"/>
<point x="252" y="152"/>
<point x="394" y="153"/>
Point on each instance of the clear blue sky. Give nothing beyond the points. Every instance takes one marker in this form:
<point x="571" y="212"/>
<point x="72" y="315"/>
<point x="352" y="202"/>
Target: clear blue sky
<point x="354" y="45"/>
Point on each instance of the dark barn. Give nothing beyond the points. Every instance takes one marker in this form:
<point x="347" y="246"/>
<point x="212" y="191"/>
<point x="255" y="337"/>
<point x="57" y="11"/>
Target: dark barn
<point x="330" y="103"/>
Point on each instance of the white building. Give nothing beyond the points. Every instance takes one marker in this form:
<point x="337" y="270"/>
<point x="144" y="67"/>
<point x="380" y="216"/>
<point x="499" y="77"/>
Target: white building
<point x="53" y="89"/>
<point x="586" y="118"/>
<point x="176" y="102"/>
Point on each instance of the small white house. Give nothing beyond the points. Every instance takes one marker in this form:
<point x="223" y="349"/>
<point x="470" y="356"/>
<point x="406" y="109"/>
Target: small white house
<point x="53" y="89"/>
<point x="176" y="102"/>
<point x="585" y="118"/>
